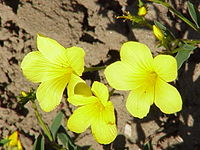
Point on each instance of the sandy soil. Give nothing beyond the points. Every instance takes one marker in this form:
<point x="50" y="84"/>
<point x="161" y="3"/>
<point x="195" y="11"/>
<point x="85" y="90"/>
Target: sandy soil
<point x="91" y="24"/>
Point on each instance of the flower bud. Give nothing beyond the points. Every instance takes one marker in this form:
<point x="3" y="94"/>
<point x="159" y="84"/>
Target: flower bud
<point x="142" y="11"/>
<point x="158" y="33"/>
<point x="24" y="94"/>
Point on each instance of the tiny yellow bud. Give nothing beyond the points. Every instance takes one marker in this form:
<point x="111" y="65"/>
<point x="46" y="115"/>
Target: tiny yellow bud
<point x="15" y="141"/>
<point x="23" y="94"/>
<point x="142" y="11"/>
<point x="158" y="33"/>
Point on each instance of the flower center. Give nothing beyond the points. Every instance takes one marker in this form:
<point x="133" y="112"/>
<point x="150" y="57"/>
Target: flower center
<point x="152" y="77"/>
<point x="100" y="106"/>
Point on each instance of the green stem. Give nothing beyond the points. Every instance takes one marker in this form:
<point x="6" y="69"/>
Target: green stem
<point x="195" y="42"/>
<point x="111" y="92"/>
<point x="91" y="69"/>
<point x="178" y="14"/>
<point x="45" y="128"/>
<point x="42" y="123"/>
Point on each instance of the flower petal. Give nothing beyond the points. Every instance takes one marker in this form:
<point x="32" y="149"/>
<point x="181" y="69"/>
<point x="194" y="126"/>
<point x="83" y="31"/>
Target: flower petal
<point x="100" y="91"/>
<point x="109" y="113"/>
<point x="72" y="83"/>
<point x="75" y="57"/>
<point x="138" y="55"/>
<point x="37" y="68"/>
<point x="103" y="132"/>
<point x="81" y="118"/>
<point x="49" y="93"/>
<point x="121" y="76"/>
<point x="166" y="67"/>
<point x="167" y="98"/>
<point x="79" y="100"/>
<point x="51" y="49"/>
<point x="139" y="101"/>
<point x="13" y="139"/>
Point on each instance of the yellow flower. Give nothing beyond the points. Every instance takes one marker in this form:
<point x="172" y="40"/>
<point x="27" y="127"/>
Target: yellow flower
<point x="146" y="78"/>
<point x="14" y="141"/>
<point x="158" y="33"/>
<point x="94" y="110"/>
<point x="142" y="11"/>
<point x="53" y="66"/>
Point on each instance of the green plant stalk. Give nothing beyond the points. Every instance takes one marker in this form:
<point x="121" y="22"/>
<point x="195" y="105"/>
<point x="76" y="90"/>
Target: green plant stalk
<point x="178" y="14"/>
<point x="91" y="69"/>
<point x="45" y="128"/>
<point x="194" y="42"/>
<point x="42" y="123"/>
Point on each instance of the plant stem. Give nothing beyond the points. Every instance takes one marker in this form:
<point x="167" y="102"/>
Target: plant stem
<point x="45" y="128"/>
<point x="91" y="69"/>
<point x="111" y="92"/>
<point x="178" y="14"/>
<point x="195" y="42"/>
<point x="42" y="123"/>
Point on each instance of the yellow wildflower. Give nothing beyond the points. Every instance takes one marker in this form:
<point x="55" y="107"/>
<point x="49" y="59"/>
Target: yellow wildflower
<point x="14" y="141"/>
<point x="146" y="78"/>
<point x="158" y="33"/>
<point x="94" y="110"/>
<point x="142" y="11"/>
<point x="53" y="66"/>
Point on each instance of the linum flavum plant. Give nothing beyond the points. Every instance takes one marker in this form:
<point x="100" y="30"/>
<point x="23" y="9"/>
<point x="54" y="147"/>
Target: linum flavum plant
<point x="57" y="68"/>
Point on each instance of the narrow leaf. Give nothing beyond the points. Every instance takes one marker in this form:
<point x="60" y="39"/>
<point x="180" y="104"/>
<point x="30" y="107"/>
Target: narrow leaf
<point x="56" y="123"/>
<point x="183" y="53"/>
<point x="39" y="143"/>
<point x="65" y="139"/>
<point x="194" y="13"/>
<point x="148" y="146"/>
<point x="4" y="141"/>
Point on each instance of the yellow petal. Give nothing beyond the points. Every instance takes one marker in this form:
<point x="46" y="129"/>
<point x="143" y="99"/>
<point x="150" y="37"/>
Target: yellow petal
<point x="167" y="98"/>
<point x="100" y="91"/>
<point x="37" y="68"/>
<point x="81" y="118"/>
<point x="19" y="145"/>
<point x="79" y="100"/>
<point x="139" y="101"/>
<point x="109" y="113"/>
<point x="74" y="80"/>
<point x="82" y="89"/>
<point x="121" y="76"/>
<point x="75" y="57"/>
<point x="103" y="132"/>
<point x="49" y="93"/>
<point x="138" y="55"/>
<point x="166" y="67"/>
<point x="50" y="48"/>
<point x="13" y="139"/>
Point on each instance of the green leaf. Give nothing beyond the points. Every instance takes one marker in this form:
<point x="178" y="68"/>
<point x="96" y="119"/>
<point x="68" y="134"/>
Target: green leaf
<point x="56" y="123"/>
<point x="66" y="139"/>
<point x="183" y="53"/>
<point x="4" y="141"/>
<point x="148" y="146"/>
<point x="194" y="13"/>
<point x="39" y="143"/>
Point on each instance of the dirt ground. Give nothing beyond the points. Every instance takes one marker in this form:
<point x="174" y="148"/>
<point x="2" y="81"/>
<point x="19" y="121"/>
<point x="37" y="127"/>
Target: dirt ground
<point x="91" y="24"/>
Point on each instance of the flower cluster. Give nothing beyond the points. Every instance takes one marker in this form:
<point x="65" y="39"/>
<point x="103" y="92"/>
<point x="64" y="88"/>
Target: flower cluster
<point x="56" y="68"/>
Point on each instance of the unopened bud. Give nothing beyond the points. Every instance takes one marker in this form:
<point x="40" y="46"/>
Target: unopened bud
<point x="158" y="33"/>
<point x="23" y="94"/>
<point x="142" y="11"/>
